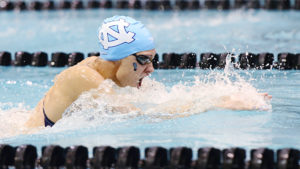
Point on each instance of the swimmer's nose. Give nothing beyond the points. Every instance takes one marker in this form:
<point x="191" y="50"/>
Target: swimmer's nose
<point x="149" y="68"/>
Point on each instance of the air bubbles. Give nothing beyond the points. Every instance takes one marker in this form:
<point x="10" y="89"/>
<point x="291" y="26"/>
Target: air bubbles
<point x="11" y="82"/>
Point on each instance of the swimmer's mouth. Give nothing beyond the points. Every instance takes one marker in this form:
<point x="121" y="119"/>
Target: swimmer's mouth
<point x="140" y="83"/>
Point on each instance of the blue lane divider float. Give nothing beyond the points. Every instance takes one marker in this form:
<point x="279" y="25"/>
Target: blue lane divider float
<point x="6" y="5"/>
<point x="286" y="61"/>
<point x="106" y="157"/>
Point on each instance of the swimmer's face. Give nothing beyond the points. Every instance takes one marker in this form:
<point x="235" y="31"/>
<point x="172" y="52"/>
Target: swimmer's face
<point x="127" y="75"/>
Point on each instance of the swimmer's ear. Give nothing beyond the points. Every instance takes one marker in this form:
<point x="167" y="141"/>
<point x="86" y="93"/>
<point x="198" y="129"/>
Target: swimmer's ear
<point x="134" y="66"/>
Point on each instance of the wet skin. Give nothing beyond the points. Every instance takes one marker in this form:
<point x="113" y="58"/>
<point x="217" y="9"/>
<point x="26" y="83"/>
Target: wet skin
<point x="86" y="75"/>
<point x="91" y="72"/>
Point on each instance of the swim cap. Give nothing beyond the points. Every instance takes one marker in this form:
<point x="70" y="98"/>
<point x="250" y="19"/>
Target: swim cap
<point x="121" y="36"/>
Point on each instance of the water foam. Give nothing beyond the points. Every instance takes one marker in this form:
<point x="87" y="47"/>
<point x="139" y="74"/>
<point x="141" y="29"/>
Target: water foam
<point x="13" y="116"/>
<point x="153" y="102"/>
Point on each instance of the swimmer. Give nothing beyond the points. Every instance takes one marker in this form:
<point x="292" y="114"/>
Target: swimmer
<point x="127" y="50"/>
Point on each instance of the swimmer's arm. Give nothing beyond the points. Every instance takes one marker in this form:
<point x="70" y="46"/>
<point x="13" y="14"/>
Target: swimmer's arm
<point x="233" y="102"/>
<point x="125" y="108"/>
<point x="84" y="78"/>
<point x="68" y="85"/>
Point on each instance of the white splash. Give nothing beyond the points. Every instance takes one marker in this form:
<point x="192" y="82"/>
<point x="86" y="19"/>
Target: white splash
<point x="110" y="104"/>
<point x="13" y="119"/>
<point x="155" y="101"/>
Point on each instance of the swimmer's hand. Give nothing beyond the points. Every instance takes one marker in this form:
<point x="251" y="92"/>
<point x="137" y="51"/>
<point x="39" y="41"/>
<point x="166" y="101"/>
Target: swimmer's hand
<point x="240" y="102"/>
<point x="266" y="96"/>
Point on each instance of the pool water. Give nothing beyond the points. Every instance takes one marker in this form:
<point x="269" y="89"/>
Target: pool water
<point x="276" y="127"/>
<point x="162" y="120"/>
<point x="189" y="31"/>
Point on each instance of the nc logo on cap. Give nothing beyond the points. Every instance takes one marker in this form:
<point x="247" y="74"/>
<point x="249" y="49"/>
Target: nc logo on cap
<point x="118" y="36"/>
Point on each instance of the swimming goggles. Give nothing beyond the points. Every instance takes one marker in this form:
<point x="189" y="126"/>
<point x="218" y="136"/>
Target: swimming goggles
<point x="143" y="59"/>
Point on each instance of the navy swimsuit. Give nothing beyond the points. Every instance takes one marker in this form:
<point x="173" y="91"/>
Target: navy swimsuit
<point x="48" y="122"/>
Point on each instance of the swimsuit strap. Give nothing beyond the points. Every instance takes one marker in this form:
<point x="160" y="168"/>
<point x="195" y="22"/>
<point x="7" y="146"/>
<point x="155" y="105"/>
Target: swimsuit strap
<point x="48" y="122"/>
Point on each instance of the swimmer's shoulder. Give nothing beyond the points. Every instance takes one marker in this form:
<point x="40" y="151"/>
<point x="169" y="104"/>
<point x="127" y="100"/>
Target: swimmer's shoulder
<point x="88" y="61"/>
<point x="76" y="79"/>
<point x="84" y="70"/>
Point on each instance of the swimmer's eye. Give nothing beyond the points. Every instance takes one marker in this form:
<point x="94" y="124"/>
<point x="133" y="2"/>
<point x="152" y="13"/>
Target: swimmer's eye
<point x="143" y="59"/>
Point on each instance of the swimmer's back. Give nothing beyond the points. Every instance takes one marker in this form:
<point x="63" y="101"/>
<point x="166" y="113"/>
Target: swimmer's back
<point x="68" y="85"/>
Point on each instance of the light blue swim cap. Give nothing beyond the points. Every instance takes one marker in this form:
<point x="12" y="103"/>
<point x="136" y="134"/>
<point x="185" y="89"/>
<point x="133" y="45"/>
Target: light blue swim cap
<point x="121" y="36"/>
